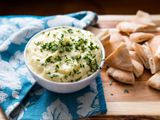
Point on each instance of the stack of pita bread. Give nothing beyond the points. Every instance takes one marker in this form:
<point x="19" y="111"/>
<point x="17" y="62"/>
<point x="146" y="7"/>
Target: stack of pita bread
<point x="132" y="47"/>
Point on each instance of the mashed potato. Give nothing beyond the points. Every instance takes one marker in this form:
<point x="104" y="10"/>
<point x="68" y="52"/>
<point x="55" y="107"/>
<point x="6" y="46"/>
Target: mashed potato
<point x="64" y="54"/>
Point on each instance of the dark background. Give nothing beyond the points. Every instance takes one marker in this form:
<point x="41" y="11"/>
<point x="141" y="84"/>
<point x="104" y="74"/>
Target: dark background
<point x="52" y="7"/>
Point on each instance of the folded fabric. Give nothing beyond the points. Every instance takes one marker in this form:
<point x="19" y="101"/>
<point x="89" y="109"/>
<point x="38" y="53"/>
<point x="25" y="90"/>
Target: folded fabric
<point x="16" y="82"/>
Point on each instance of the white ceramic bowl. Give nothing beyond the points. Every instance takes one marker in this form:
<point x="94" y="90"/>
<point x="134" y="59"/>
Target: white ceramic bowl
<point x="67" y="87"/>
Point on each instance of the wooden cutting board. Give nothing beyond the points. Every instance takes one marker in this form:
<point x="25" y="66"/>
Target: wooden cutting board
<point x="128" y="101"/>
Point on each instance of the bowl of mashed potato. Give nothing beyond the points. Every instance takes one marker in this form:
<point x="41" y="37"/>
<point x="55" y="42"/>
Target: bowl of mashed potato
<point x="64" y="59"/>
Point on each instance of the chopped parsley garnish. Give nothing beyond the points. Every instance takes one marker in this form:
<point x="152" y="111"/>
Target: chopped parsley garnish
<point x="57" y="58"/>
<point x="65" y="76"/>
<point x="92" y="47"/>
<point x="38" y="59"/>
<point x="126" y="91"/>
<point x="67" y="60"/>
<point x="76" y="71"/>
<point x="48" y="60"/>
<point x="111" y="94"/>
<point x="37" y="43"/>
<point x="110" y="82"/>
<point x="70" y="31"/>
<point x="50" y="46"/>
<point x="78" y="57"/>
<point x="48" y="34"/>
<point x="78" y="79"/>
<point x="56" y="68"/>
<point x="52" y="75"/>
<point x="62" y="36"/>
<point x="43" y="64"/>
<point x="91" y="62"/>
<point x="82" y="65"/>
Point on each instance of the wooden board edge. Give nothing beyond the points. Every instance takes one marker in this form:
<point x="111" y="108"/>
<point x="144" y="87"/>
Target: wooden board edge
<point x="133" y="108"/>
<point x="123" y="17"/>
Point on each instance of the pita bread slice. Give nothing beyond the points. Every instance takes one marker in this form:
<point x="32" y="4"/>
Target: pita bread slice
<point x="103" y="35"/>
<point x="154" y="61"/>
<point x="128" y="42"/>
<point x="130" y="27"/>
<point x="120" y="58"/>
<point x="157" y="54"/>
<point x="144" y="18"/>
<point x="134" y="56"/>
<point x="112" y="42"/>
<point x="154" y="81"/>
<point x="154" y="43"/>
<point x="137" y="68"/>
<point x="140" y="51"/>
<point x="121" y="76"/>
<point x="141" y="23"/>
<point x="139" y="37"/>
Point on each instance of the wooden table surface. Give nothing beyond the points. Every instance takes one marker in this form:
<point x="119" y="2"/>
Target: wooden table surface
<point x="140" y="102"/>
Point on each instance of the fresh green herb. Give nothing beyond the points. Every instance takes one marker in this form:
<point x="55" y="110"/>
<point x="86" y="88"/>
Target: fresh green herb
<point x="62" y="36"/>
<point x="54" y="35"/>
<point x="83" y="48"/>
<point x="80" y="44"/>
<point x="88" y="59"/>
<point x="67" y="60"/>
<point x="81" y="65"/>
<point x="110" y="82"/>
<point x="78" y="57"/>
<point x="57" y="58"/>
<point x="61" y="80"/>
<point x="65" y="46"/>
<point x="41" y="50"/>
<point x="61" y="50"/>
<point x="68" y="48"/>
<point x="78" y="31"/>
<point x="53" y="75"/>
<point x="56" y="68"/>
<point x="70" y="31"/>
<point x="48" y="34"/>
<point x="76" y="71"/>
<point x="48" y="60"/>
<point x="37" y="43"/>
<point x="70" y="73"/>
<point x="92" y="47"/>
<point x="111" y="94"/>
<point x="78" y="79"/>
<point x="65" y="76"/>
<point x="49" y="72"/>
<point x="38" y="59"/>
<point x="43" y="64"/>
<point x="92" y="63"/>
<point x="126" y="91"/>
<point x="73" y="58"/>
<point x="51" y="46"/>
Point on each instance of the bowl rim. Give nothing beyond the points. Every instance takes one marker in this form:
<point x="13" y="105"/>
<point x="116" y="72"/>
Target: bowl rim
<point x="64" y="83"/>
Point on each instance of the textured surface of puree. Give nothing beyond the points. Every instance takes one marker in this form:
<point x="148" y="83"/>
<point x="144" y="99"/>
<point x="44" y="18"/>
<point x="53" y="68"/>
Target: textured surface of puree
<point x="64" y="54"/>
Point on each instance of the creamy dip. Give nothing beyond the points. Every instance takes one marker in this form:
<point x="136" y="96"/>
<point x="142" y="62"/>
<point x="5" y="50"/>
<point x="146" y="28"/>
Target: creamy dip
<point x="64" y="54"/>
